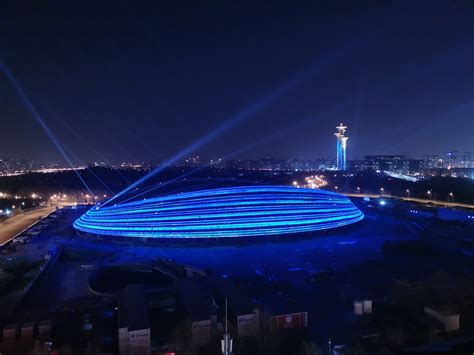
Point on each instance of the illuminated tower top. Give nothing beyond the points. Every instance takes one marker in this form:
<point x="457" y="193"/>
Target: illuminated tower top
<point x="341" y="146"/>
<point x="341" y="129"/>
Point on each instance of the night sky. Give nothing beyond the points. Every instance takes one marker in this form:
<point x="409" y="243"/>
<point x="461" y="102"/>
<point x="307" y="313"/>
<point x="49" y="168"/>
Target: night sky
<point x="123" y="82"/>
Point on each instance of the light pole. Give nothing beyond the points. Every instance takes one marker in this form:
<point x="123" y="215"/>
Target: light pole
<point x="408" y="193"/>
<point x="226" y="342"/>
<point x="429" y="194"/>
<point x="451" y="197"/>
<point x="336" y="188"/>
<point x="382" y="190"/>
<point x="358" y="189"/>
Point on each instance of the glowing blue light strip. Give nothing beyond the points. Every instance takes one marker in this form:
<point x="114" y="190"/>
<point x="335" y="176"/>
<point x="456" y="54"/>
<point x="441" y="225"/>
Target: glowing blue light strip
<point x="223" y="213"/>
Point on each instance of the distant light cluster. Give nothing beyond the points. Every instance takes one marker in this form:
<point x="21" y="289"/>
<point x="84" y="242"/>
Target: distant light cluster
<point x="41" y="171"/>
<point x="248" y="211"/>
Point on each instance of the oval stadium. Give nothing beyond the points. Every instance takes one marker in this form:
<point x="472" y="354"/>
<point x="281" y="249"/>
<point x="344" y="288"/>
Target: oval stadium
<point x="233" y="212"/>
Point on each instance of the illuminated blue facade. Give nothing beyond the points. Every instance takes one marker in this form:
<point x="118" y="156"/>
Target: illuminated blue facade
<point x="247" y="211"/>
<point x="341" y="147"/>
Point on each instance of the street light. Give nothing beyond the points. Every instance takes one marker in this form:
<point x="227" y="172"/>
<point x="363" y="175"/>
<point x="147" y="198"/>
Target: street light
<point x="451" y="196"/>
<point x="408" y="193"/>
<point x="429" y="194"/>
<point x="358" y="189"/>
<point x="382" y="190"/>
<point x="336" y="188"/>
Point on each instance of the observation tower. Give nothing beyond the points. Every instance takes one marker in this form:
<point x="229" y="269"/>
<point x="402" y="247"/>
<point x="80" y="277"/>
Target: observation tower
<point x="341" y="146"/>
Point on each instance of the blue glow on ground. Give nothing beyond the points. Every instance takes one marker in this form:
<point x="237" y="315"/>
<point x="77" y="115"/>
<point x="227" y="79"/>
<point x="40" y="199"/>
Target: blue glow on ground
<point x="247" y="211"/>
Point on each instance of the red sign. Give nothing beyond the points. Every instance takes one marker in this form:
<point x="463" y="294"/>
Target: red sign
<point x="290" y="321"/>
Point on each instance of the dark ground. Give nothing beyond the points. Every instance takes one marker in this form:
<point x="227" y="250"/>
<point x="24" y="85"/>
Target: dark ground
<point x="277" y="271"/>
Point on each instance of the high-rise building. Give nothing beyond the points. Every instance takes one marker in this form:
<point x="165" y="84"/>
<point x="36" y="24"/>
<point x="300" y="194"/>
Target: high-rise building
<point x="341" y="147"/>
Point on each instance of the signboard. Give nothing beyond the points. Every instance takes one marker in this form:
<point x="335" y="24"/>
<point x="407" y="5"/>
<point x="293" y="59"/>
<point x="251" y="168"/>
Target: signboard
<point x="139" y="341"/>
<point x="246" y="325"/>
<point x="290" y="321"/>
<point x="201" y="332"/>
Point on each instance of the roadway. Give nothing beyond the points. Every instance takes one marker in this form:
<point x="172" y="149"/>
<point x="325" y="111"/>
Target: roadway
<point x="417" y="200"/>
<point x="13" y="226"/>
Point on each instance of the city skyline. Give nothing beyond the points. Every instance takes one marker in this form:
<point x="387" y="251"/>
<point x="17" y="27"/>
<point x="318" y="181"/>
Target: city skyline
<point x="451" y="158"/>
<point x="237" y="177"/>
<point x="118" y="87"/>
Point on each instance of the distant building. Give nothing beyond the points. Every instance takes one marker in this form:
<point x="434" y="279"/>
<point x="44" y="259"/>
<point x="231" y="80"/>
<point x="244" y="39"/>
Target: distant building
<point x="192" y="162"/>
<point x="392" y="163"/>
<point x="12" y="166"/>
<point x="95" y="164"/>
<point x="216" y="162"/>
<point x="272" y="164"/>
<point x="450" y="160"/>
<point x="452" y="172"/>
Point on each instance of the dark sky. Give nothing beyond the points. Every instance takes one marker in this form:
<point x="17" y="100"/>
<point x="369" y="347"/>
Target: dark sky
<point x="129" y="82"/>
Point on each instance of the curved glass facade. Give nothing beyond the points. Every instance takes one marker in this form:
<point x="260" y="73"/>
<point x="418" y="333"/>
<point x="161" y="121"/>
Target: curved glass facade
<point x="248" y="211"/>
